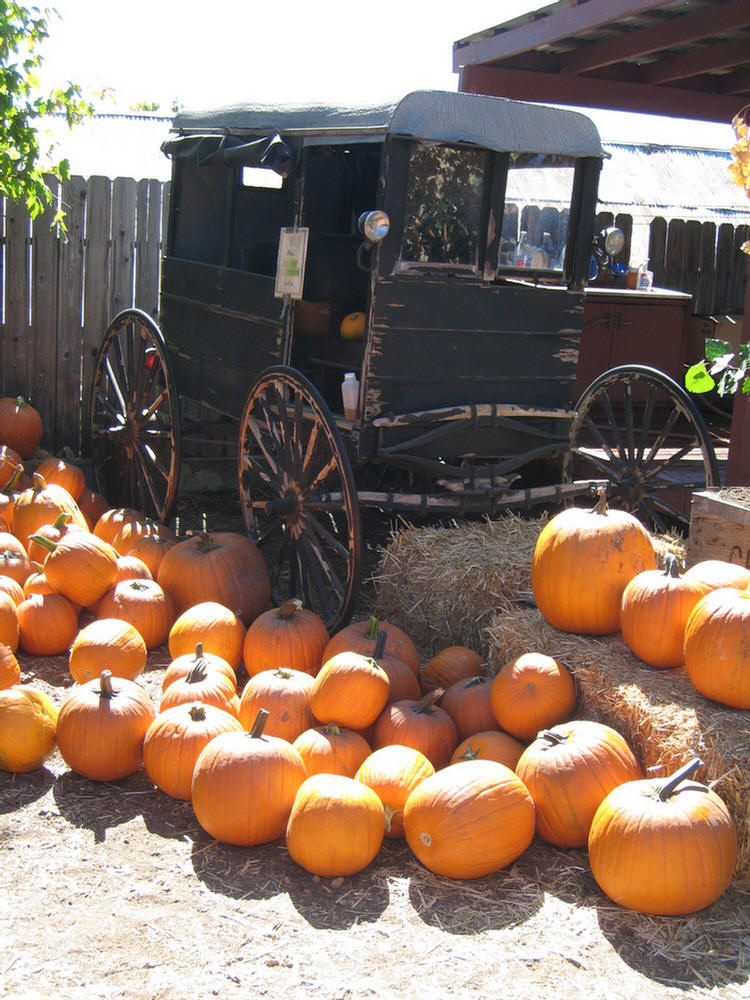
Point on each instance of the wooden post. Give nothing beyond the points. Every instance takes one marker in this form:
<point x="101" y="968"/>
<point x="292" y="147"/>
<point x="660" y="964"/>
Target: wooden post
<point x="738" y="460"/>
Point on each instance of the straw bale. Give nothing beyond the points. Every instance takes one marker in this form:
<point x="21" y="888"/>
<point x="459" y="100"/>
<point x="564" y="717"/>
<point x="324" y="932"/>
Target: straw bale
<point x="471" y="585"/>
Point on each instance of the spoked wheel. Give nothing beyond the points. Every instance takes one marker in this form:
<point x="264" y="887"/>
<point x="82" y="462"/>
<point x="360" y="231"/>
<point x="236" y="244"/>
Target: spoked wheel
<point x="134" y="422"/>
<point x="637" y="428"/>
<point x="298" y="496"/>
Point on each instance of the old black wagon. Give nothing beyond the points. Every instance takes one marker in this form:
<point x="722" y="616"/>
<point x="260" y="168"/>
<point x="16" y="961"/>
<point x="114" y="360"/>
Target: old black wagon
<point x="307" y="243"/>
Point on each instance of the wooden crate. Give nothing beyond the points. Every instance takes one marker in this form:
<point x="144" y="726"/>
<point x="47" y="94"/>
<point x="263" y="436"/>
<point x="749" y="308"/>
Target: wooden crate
<point x="720" y="526"/>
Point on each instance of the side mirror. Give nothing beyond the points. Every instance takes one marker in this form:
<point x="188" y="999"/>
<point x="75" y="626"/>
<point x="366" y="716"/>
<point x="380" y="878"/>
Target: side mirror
<point x="374" y="227"/>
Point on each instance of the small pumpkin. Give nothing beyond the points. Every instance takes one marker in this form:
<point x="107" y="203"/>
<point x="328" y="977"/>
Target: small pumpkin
<point x="174" y="741"/>
<point x="101" y="727"/>
<point x="568" y="771"/>
<point x="352" y="326"/>
<point x="42" y="503"/>
<point x="715" y="573"/>
<point x="11" y="468"/>
<point x="393" y="772"/>
<point x="47" y="623"/>
<point x="113" y="519"/>
<point x="448" y="667"/>
<point x="469" y="704"/>
<point x="421" y="725"/>
<point x="201" y="683"/>
<point x="362" y="637"/>
<point x="10" y="670"/>
<point x="290" y="636"/>
<point x="12" y="588"/>
<point x="663" y="847"/>
<point x="9" y="629"/>
<point x="28" y="724"/>
<point x="107" y="644"/>
<point x="182" y="664"/>
<point x="582" y="562"/>
<point x="332" y="749"/>
<point x="65" y="474"/>
<point x="92" y="505"/>
<point x="531" y="692"/>
<point x="336" y="826"/>
<point x="350" y="689"/>
<point x="216" y="627"/>
<point x="656" y="605"/>
<point x="285" y="693"/>
<point x="244" y="785"/>
<point x="493" y="744"/>
<point x="142" y="603"/>
<point x="79" y="565"/>
<point x="469" y="819"/>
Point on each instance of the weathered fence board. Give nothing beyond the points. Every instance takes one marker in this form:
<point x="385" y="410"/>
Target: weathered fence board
<point x="60" y="294"/>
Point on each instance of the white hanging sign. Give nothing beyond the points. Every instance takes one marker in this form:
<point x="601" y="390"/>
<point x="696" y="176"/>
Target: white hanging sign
<point x="290" y="264"/>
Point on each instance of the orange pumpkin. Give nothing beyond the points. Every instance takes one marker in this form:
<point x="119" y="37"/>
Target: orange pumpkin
<point x="14" y="559"/>
<point x="48" y="624"/>
<point x="110" y="644"/>
<point x="656" y="605"/>
<point x="174" y="741"/>
<point x="20" y="425"/>
<point x="332" y="749"/>
<point x="291" y="636"/>
<point x="151" y="549"/>
<point x="11" y="468"/>
<point x="664" y="847"/>
<point x="131" y="531"/>
<point x="183" y="663"/>
<point x="582" y="562"/>
<point x="421" y="725"/>
<point x="469" y="819"/>
<point x="532" y="692"/>
<point x="144" y="604"/>
<point x="12" y="588"/>
<point x="362" y="637"/>
<point x="468" y="702"/>
<point x="393" y="772"/>
<point x="39" y="550"/>
<point x="42" y="503"/>
<point x="112" y="520"/>
<point x="65" y="474"/>
<point x="717" y="651"/>
<point x="336" y="826"/>
<point x="101" y="727"/>
<point x="9" y="629"/>
<point x="92" y="505"/>
<point x="215" y="626"/>
<point x="350" y="690"/>
<point x="10" y="671"/>
<point x="201" y="683"/>
<point x="450" y="665"/>
<point x="717" y="573"/>
<point x="221" y="566"/>
<point x="79" y="565"/>
<point x="568" y="771"/>
<point x="286" y="695"/>
<point x="244" y="785"/>
<point x="28" y="724"/>
<point x="490" y="745"/>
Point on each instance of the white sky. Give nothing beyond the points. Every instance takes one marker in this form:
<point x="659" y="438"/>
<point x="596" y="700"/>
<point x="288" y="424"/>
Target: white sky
<point x="205" y="54"/>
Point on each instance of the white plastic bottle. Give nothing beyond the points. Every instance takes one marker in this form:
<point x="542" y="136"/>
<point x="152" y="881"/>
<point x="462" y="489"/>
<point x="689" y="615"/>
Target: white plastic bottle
<point x="350" y="395"/>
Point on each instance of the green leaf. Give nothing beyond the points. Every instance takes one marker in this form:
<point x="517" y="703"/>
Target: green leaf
<point x="717" y="348"/>
<point x="697" y="378"/>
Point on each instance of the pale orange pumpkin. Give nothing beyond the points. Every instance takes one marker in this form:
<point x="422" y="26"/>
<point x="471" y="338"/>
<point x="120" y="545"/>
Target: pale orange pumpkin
<point x="201" y="683"/>
<point x="42" y="503"/>
<point x="285" y="694"/>
<point x="11" y="468"/>
<point x="12" y="588"/>
<point x="28" y="725"/>
<point x="183" y="663"/>
<point x="393" y="772"/>
<point x="65" y="474"/>
<point x="79" y="565"/>
<point x="144" y="604"/>
<point x="532" y="692"/>
<point x="48" y="624"/>
<point x="107" y="644"/>
<point x="717" y="573"/>
<point x="10" y="670"/>
<point x="112" y="520"/>
<point x="215" y="626"/>
<point x="9" y="630"/>
<point x="716" y="650"/>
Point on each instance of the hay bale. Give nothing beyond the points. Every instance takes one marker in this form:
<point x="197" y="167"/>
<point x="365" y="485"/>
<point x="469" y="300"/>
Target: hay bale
<point x="471" y="585"/>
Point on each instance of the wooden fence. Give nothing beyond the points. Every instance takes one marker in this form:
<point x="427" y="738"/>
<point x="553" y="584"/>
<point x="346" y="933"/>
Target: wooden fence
<point x="59" y="294"/>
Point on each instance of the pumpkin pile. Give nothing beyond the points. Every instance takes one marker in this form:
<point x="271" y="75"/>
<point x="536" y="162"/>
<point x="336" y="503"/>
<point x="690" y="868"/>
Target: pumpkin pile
<point x="272" y="728"/>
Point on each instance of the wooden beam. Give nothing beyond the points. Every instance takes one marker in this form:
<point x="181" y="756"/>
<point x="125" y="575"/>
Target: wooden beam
<point x="545" y="28"/>
<point x="706" y="59"/>
<point x="682" y="30"/>
<point x="589" y="92"/>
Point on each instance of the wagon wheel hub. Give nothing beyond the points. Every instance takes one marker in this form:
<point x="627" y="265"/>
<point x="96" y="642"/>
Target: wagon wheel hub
<point x="284" y="507"/>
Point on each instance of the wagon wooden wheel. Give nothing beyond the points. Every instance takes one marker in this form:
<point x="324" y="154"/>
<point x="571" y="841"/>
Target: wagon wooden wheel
<point x="134" y="424"/>
<point x="298" y="496"/>
<point x="636" y="427"/>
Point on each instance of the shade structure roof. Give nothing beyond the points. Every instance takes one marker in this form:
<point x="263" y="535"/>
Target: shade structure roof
<point x="684" y="58"/>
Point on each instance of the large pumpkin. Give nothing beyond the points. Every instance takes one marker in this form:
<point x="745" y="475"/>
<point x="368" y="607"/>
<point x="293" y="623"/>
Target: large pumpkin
<point x="531" y="692"/>
<point x="244" y="786"/>
<point x="469" y="819"/>
<point x="664" y="847"/>
<point x="290" y="636"/>
<point x="393" y="773"/>
<point x="174" y="740"/>
<point x="220" y="566"/>
<point x="336" y="826"/>
<point x="101" y="727"/>
<point x="656" y="605"/>
<point x="47" y="623"/>
<point x="28" y="722"/>
<point x="20" y="425"/>
<point x="582" y="562"/>
<point x="568" y="771"/>
<point x="717" y="573"/>
<point x="717" y="650"/>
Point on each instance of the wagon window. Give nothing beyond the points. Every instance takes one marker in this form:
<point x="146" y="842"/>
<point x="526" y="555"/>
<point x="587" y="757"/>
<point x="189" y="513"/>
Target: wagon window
<point x="443" y="208"/>
<point x="537" y="205"/>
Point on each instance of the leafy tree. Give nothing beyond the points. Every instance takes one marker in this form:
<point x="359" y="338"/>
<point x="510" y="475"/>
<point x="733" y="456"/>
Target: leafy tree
<point x="22" y="30"/>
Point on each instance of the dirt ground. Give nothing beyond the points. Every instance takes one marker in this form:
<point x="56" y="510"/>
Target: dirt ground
<point x="114" y="891"/>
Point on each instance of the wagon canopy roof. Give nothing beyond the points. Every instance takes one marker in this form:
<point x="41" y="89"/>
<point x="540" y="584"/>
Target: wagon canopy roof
<point x="442" y="116"/>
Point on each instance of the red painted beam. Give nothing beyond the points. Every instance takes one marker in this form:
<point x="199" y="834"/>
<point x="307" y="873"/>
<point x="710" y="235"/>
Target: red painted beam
<point x="588" y="92"/>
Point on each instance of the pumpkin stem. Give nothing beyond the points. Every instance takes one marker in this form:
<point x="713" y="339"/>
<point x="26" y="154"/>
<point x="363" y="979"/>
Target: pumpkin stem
<point x="372" y="628"/>
<point x="38" y="482"/>
<point x="46" y="543"/>
<point x="601" y="502"/>
<point x="289" y="608"/>
<point x="470" y="753"/>
<point x="553" y="737"/>
<point x="13" y="481"/>
<point x="197" y="672"/>
<point x="105" y="685"/>
<point x="332" y="729"/>
<point x="672" y="566"/>
<point x="197" y="711"/>
<point x="260" y="723"/>
<point x="425" y="704"/>
<point x="379" y="645"/>
<point x="390" y="812"/>
<point x="199" y="650"/>
<point x="283" y="672"/>
<point x="668" y="787"/>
